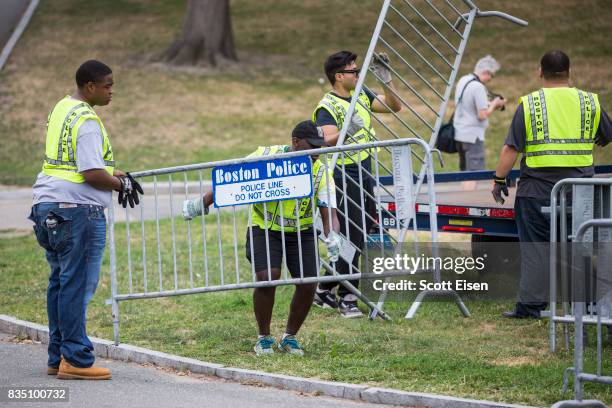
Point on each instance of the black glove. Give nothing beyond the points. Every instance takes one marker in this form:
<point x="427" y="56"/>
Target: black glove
<point x="500" y="189"/>
<point x="129" y="191"/>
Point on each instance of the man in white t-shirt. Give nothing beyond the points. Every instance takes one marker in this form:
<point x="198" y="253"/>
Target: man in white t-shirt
<point x="472" y="111"/>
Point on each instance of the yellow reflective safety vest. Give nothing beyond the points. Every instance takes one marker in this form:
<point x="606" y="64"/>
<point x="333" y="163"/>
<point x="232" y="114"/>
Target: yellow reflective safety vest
<point x="63" y="126"/>
<point x="561" y="124"/>
<point x="338" y="108"/>
<point x="276" y="214"/>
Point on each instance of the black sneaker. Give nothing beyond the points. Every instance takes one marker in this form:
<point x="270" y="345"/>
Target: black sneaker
<point x="349" y="309"/>
<point x="325" y="299"/>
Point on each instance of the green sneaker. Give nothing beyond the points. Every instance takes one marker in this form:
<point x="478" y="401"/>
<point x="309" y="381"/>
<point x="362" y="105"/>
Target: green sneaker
<point x="265" y="345"/>
<point x="290" y="345"/>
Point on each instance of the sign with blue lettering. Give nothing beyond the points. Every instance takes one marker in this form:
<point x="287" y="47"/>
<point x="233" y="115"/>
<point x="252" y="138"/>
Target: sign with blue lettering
<point x="268" y="180"/>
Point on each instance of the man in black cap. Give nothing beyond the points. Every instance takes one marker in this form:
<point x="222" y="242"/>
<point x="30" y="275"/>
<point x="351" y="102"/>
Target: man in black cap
<point x="277" y="223"/>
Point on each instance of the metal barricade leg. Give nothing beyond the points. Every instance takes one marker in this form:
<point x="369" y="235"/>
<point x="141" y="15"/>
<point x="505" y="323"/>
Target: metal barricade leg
<point x="113" y="274"/>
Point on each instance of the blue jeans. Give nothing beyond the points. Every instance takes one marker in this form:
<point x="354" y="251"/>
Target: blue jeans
<point x="74" y="240"/>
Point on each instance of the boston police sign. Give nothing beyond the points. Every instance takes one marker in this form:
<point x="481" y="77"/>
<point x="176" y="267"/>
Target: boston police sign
<point x="269" y="180"/>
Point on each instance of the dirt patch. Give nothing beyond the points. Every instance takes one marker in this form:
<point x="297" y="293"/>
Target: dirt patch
<point x="488" y="328"/>
<point x="515" y="361"/>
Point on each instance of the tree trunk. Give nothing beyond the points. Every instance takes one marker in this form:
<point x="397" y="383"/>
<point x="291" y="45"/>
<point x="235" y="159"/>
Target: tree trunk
<point x="206" y="34"/>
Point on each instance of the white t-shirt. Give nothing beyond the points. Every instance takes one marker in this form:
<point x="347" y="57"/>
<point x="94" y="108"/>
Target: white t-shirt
<point x="468" y="128"/>
<point x="49" y="189"/>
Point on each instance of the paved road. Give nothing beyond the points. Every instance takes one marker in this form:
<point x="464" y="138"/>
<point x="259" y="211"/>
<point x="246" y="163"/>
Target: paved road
<point x="10" y="13"/>
<point x="133" y="385"/>
<point x="16" y="202"/>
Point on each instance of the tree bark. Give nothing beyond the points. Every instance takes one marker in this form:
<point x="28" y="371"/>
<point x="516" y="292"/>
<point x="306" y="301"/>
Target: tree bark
<point x="205" y="35"/>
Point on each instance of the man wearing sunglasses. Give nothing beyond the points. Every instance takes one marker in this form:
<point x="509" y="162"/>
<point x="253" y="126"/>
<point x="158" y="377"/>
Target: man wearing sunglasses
<point x="329" y="116"/>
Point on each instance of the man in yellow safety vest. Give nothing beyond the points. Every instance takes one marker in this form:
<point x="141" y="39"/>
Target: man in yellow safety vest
<point x="555" y="128"/>
<point x="330" y="115"/>
<point x="70" y="195"/>
<point x="291" y="223"/>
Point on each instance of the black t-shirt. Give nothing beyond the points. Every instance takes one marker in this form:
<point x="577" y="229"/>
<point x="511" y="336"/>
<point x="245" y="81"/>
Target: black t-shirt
<point x="325" y="118"/>
<point x="538" y="182"/>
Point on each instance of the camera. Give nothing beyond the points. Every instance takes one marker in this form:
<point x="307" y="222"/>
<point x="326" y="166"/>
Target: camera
<point x="493" y="95"/>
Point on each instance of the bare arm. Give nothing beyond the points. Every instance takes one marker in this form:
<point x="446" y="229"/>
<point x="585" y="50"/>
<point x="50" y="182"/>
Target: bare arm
<point x="101" y="180"/>
<point x="208" y="198"/>
<point x="330" y="134"/>
<point x="325" y="213"/>
<point x="388" y="102"/>
<point x="493" y="106"/>
<point x="506" y="161"/>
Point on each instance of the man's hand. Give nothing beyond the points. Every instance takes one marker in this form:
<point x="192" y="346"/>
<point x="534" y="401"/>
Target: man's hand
<point x="356" y="125"/>
<point x="380" y="67"/>
<point x="500" y="189"/>
<point x="129" y="191"/>
<point x="333" y="246"/>
<point x="499" y="102"/>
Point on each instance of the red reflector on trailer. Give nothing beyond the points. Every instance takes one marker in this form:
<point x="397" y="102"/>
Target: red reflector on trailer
<point x="392" y="206"/>
<point x="452" y="210"/>
<point x="462" y="229"/>
<point x="502" y="213"/>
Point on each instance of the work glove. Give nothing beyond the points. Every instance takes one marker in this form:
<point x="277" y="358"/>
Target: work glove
<point x="333" y="246"/>
<point x="500" y="189"/>
<point x="380" y="67"/>
<point x="194" y="208"/>
<point x="129" y="191"/>
<point x="356" y="125"/>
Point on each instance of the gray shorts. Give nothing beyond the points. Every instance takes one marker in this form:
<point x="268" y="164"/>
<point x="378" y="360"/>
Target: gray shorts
<point x="471" y="155"/>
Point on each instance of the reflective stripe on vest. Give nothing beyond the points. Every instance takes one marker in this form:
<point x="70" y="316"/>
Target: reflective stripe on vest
<point x="338" y="108"/>
<point x="63" y="126"/>
<point x="271" y="216"/>
<point x="560" y="124"/>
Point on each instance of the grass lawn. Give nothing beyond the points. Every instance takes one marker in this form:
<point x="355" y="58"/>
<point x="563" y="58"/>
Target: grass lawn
<point x="161" y="116"/>
<point x="439" y="351"/>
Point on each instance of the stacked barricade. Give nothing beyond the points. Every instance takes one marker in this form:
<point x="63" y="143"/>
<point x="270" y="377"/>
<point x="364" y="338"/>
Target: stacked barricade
<point x="580" y="279"/>
<point x="426" y="42"/>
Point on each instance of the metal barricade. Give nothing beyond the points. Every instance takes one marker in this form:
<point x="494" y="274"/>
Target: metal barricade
<point x="153" y="257"/>
<point x="579" y="309"/>
<point x="591" y="198"/>
<point x="426" y="41"/>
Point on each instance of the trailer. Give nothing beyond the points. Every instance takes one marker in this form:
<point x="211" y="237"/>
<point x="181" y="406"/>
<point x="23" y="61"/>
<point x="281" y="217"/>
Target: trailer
<point x="465" y="205"/>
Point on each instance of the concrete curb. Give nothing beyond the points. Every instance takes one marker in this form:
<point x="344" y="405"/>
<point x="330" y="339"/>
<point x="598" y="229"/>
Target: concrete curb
<point x="125" y="352"/>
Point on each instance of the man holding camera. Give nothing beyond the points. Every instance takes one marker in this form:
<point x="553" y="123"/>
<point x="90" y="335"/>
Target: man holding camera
<point x="472" y="111"/>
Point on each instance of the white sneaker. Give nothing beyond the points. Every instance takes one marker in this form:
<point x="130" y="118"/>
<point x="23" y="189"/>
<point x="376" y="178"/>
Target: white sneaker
<point x="349" y="309"/>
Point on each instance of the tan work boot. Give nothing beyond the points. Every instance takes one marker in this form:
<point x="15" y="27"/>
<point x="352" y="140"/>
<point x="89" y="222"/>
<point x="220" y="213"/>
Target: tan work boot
<point x="52" y="370"/>
<point x="70" y="372"/>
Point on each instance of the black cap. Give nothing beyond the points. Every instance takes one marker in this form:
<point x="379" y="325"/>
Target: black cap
<point x="308" y="131"/>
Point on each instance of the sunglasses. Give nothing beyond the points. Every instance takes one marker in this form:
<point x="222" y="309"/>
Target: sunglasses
<point x="350" y="71"/>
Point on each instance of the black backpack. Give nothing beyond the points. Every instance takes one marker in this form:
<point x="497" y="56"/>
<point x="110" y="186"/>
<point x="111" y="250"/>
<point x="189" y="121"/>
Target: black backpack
<point x="446" y="135"/>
